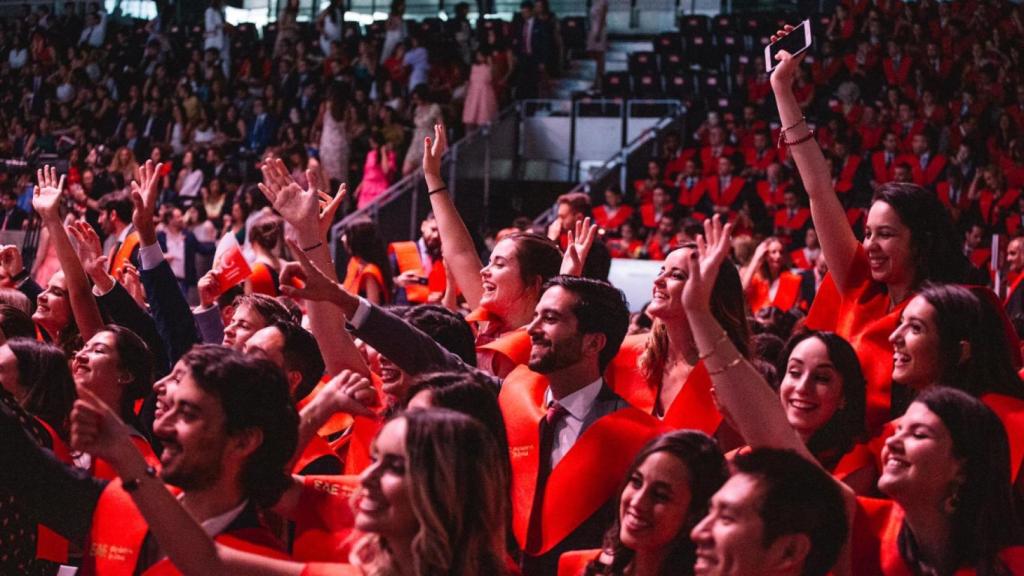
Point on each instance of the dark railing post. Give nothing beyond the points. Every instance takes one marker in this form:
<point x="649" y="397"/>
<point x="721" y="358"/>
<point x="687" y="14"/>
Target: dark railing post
<point x="487" y="175"/>
<point x="573" y="113"/>
<point x="414" y="204"/>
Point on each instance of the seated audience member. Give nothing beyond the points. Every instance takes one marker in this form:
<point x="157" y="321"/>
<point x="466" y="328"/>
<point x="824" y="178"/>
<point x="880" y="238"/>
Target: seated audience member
<point x="768" y="281"/>
<point x="664" y="495"/>
<point x="613" y="214"/>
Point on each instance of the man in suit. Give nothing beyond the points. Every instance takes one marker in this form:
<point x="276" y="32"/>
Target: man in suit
<point x="261" y="128"/>
<point x="13" y="217"/>
<point x="532" y="50"/>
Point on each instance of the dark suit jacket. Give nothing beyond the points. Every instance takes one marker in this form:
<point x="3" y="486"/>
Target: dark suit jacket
<point x="119" y="307"/>
<point x="16" y="219"/>
<point x="170" y="310"/>
<point x="192" y="247"/>
<point x="31" y="289"/>
<point x="415" y="352"/>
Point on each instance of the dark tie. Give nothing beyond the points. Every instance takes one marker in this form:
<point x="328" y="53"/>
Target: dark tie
<point x="888" y="158"/>
<point x="556" y="412"/>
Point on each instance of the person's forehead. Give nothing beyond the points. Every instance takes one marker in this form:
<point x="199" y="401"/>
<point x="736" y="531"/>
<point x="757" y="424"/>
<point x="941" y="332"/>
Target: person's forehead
<point x="741" y="493"/>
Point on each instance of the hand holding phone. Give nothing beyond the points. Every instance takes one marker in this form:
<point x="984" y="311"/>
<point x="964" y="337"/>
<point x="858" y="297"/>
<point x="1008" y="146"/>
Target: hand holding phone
<point x="794" y="40"/>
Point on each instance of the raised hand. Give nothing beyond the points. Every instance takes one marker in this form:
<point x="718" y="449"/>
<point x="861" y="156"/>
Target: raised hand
<point x="300" y="208"/>
<point x="144" y="196"/>
<point x="580" y="241"/>
<point x="712" y="249"/>
<point x="11" y="263"/>
<point x="784" y="74"/>
<point x="209" y="289"/>
<point x="316" y="286"/>
<point x="46" y="199"/>
<point x="350" y="392"/>
<point x="89" y="248"/>
<point x="433" y="151"/>
<point x="329" y="207"/>
<point x="133" y="284"/>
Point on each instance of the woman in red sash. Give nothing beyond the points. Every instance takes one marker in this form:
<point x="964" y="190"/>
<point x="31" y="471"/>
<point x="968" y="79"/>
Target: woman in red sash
<point x="822" y="393"/>
<point x="664" y="495"/>
<point x="368" y="273"/>
<point x="958" y="337"/>
<point x="946" y="467"/>
<point x="909" y="239"/>
<point x="117" y="366"/>
<point x="661" y="372"/>
<point x="502" y="294"/>
<point x="265" y="235"/>
<point x="434" y="502"/>
<point x="36" y="375"/>
<point x="767" y="280"/>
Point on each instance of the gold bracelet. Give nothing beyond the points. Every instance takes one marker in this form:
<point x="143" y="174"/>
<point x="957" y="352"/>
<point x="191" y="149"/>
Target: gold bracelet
<point x="711" y="351"/>
<point x="727" y="367"/>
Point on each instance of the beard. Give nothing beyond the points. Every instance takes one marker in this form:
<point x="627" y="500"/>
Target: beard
<point x="556" y="356"/>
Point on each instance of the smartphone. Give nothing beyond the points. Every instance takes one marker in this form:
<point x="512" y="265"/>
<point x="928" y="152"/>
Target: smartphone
<point x="797" y="41"/>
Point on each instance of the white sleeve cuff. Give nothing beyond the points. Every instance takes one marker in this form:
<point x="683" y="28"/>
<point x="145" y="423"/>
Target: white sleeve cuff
<point x="362" y="313"/>
<point x="151" y="256"/>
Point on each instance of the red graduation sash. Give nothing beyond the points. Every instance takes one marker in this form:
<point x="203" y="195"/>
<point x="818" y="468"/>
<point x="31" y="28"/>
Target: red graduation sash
<point x="50" y="545"/>
<point x="574" y="562"/>
<point x="339" y="421"/>
<point x="324" y="519"/>
<point x="118" y="531"/>
<point x="123" y="254"/>
<point x="787" y="296"/>
<point x="316" y="448"/>
<point x="364" y="430"/>
<point x="568" y="502"/>
<point x="261" y="280"/>
<point x="104" y="471"/>
<point x="693" y="408"/>
<point x="728" y="196"/>
<point x="1011" y="412"/>
<point x="622" y="215"/>
<point x="407" y="256"/>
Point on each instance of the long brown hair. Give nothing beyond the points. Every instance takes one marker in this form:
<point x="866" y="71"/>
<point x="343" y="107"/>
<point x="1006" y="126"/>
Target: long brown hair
<point x="458" y="491"/>
<point x="728" y="306"/>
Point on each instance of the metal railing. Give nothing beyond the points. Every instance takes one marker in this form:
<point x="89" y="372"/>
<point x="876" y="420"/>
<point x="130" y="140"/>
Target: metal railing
<point x="632" y="158"/>
<point x="510" y="149"/>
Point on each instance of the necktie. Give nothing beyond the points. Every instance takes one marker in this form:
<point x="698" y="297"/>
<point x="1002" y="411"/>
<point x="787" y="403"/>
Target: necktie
<point x="556" y="412"/>
<point x="888" y="159"/>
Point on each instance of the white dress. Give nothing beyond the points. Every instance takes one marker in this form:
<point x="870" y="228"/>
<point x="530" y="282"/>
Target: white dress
<point x="334" y="152"/>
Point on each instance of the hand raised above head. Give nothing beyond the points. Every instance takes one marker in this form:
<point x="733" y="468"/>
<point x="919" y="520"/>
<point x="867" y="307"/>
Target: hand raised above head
<point x="785" y="72"/>
<point x="46" y="199"/>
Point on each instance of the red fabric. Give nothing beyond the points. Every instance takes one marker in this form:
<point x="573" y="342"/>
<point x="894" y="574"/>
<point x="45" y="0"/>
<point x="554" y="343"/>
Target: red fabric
<point x="863" y="317"/>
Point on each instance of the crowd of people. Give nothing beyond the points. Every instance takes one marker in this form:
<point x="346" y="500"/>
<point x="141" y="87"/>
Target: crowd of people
<point x="416" y="408"/>
<point x="928" y="93"/>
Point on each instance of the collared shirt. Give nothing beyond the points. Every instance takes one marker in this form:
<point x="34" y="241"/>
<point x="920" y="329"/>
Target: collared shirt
<point x="214" y="526"/>
<point x="577" y="406"/>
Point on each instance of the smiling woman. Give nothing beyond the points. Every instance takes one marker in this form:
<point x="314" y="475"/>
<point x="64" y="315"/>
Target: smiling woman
<point x="665" y="494"/>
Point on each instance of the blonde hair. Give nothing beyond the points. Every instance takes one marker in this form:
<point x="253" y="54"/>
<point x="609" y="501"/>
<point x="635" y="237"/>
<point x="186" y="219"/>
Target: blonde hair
<point x="458" y="491"/>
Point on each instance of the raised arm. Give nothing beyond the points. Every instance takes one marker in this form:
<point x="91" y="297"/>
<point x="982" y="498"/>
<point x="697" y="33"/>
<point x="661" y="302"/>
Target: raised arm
<point x="97" y="429"/>
<point x="301" y="209"/>
<point x="748" y="271"/>
<point x="834" y="232"/>
<point x="46" y="201"/>
<point x="457" y="245"/>
<point x="405" y="345"/>
<point x="739" y="388"/>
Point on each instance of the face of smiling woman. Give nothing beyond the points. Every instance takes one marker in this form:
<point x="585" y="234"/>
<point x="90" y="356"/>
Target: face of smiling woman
<point x="382" y="504"/>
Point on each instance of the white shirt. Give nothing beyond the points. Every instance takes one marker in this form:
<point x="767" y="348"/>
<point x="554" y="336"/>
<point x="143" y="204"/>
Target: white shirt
<point x="569" y="428"/>
<point x="214" y="526"/>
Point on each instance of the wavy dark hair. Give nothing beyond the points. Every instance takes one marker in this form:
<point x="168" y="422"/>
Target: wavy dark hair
<point x="707" y="472"/>
<point x="846" y="427"/>
<point x="538" y="257"/>
<point x="43" y="371"/>
<point x="972" y="315"/>
<point x="985" y="520"/>
<point x="934" y="241"/>
<point x="254" y="395"/>
<point x="137" y="360"/>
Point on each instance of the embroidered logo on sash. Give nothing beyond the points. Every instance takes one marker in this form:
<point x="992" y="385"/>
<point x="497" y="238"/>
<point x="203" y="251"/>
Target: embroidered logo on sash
<point x="109" y="552"/>
<point x="333" y="489"/>
<point x="520" y="451"/>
